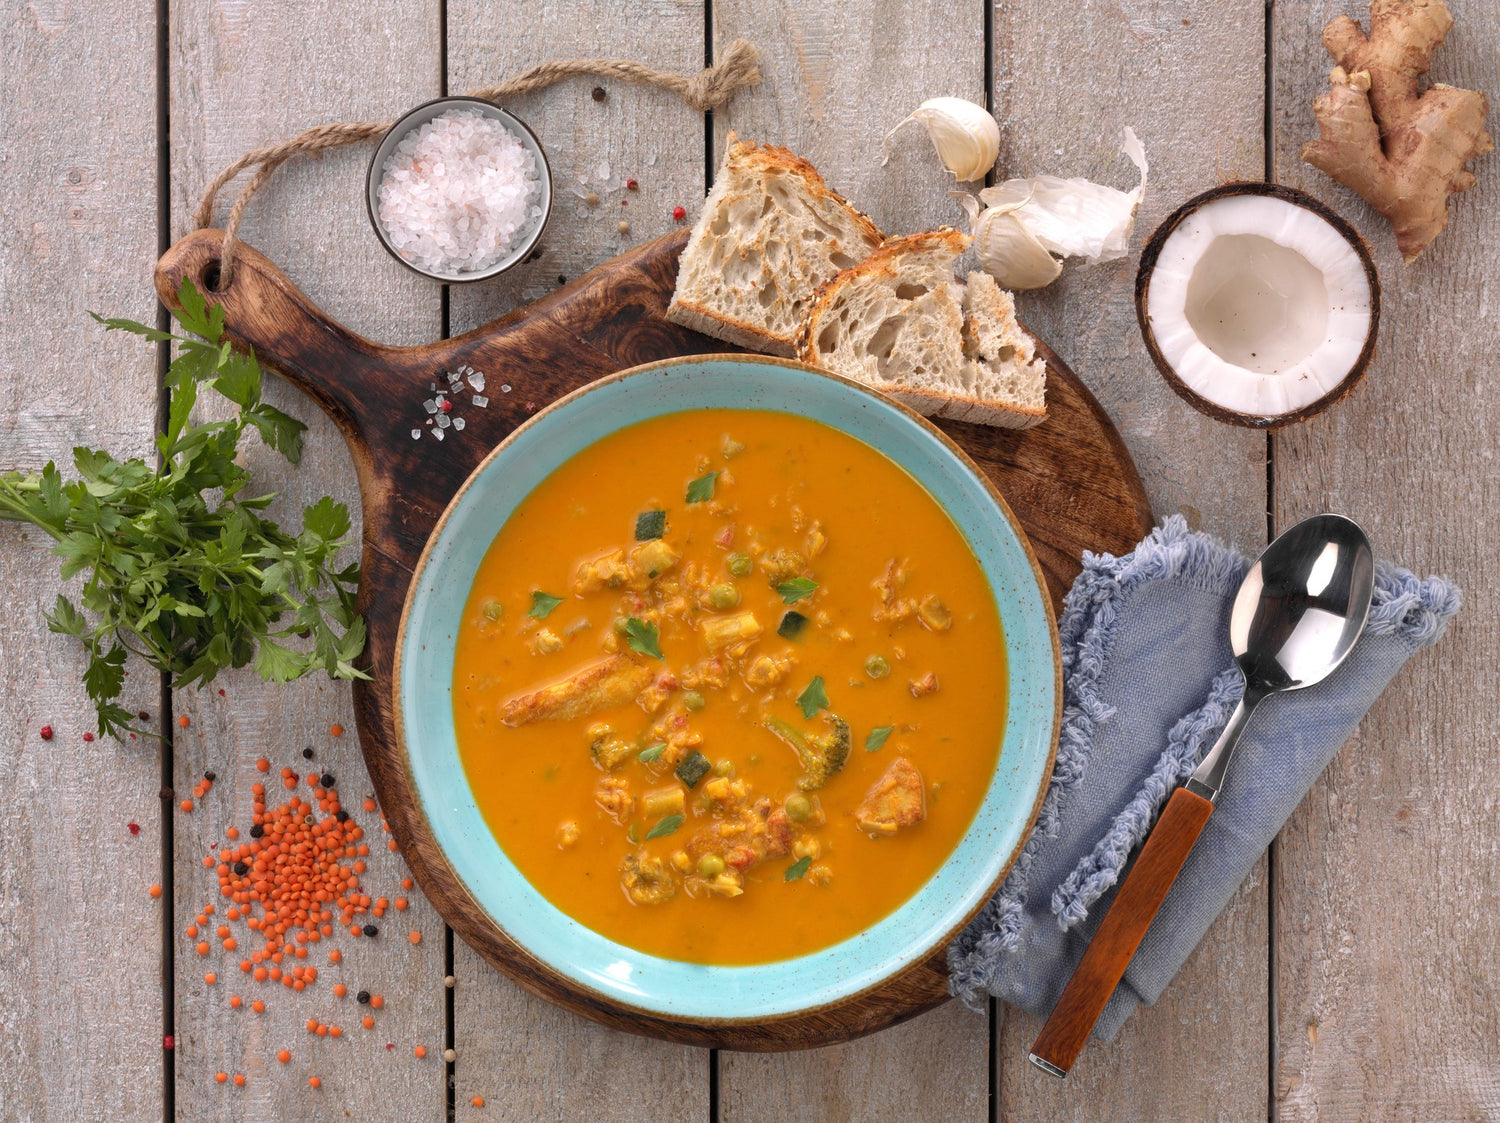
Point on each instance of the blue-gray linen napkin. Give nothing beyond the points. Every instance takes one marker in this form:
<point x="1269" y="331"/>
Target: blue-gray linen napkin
<point x="1148" y="683"/>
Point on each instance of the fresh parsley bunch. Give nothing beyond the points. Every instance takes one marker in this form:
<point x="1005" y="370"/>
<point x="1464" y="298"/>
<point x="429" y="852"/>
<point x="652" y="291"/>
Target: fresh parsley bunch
<point x="183" y="569"/>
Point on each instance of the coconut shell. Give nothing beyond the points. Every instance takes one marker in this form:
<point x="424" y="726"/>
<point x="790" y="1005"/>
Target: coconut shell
<point x="1152" y="252"/>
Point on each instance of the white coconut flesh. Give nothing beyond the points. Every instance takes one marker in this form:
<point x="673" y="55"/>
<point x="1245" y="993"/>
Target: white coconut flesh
<point x="1258" y="305"/>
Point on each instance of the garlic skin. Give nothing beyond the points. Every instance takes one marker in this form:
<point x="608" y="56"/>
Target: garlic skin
<point x="1025" y="220"/>
<point x="966" y="136"/>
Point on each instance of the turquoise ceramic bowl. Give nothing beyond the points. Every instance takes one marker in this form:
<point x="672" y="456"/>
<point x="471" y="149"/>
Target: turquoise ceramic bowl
<point x="623" y="976"/>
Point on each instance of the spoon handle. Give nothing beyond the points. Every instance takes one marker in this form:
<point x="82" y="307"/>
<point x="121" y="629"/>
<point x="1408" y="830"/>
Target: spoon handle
<point x="1121" y="932"/>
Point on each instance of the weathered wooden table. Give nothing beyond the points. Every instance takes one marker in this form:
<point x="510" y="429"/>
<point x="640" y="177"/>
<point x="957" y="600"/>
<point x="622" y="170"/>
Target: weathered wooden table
<point x="1355" y="974"/>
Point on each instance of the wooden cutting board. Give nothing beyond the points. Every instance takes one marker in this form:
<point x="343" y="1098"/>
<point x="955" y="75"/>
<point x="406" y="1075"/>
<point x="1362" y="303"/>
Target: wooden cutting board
<point x="1070" y="482"/>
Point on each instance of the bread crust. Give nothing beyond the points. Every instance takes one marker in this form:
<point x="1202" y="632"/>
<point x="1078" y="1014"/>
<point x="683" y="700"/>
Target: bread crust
<point x="773" y="157"/>
<point x="881" y="263"/>
<point x="746" y="160"/>
<point x="885" y="262"/>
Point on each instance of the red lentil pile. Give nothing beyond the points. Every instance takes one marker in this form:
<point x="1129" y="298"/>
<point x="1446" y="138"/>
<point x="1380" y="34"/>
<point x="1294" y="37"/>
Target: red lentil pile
<point x="293" y="878"/>
<point x="299" y="868"/>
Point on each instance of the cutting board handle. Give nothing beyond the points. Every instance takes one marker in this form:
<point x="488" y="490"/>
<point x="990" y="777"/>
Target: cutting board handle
<point x="265" y="311"/>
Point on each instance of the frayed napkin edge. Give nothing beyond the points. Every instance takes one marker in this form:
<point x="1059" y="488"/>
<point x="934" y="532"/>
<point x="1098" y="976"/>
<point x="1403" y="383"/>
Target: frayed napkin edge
<point x="1416" y="610"/>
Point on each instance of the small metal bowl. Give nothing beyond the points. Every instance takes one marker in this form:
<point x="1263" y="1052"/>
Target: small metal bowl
<point x="415" y="119"/>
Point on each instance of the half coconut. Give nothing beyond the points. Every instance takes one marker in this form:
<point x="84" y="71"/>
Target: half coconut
<point x="1258" y="304"/>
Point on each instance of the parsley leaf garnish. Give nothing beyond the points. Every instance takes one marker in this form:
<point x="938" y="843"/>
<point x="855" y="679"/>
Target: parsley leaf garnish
<point x="876" y="738"/>
<point x="794" y="590"/>
<point x="702" y="489"/>
<point x="667" y="826"/>
<point x="651" y="752"/>
<point x="542" y="604"/>
<point x="183" y="570"/>
<point x="797" y="868"/>
<point x="814" y="698"/>
<point x="642" y="637"/>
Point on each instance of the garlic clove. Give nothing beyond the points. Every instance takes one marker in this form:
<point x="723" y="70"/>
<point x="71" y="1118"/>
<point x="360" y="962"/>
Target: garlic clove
<point x="966" y="136"/>
<point x="1008" y="251"/>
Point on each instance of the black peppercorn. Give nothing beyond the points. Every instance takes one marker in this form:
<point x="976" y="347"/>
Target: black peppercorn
<point x="342" y="816"/>
<point x="307" y="753"/>
<point x="598" y="93"/>
<point x="371" y="930"/>
<point x="241" y="868"/>
<point x="363" y="997"/>
<point x="326" y="779"/>
<point x="257" y="831"/>
<point x="561" y="279"/>
<point x="210" y="777"/>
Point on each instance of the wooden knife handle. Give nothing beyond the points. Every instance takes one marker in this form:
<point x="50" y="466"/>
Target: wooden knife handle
<point x="1121" y="932"/>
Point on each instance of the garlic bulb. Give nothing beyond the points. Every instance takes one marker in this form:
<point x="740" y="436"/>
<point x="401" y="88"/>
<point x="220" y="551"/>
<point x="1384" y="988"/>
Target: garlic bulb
<point x="1027" y="220"/>
<point x="965" y="135"/>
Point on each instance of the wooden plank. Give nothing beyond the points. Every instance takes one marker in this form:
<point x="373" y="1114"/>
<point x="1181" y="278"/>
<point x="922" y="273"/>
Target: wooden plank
<point x="836" y="79"/>
<point x="932" y="1067"/>
<point x="1386" y="990"/>
<point x="77" y="231"/>
<point x="243" y="75"/>
<point x="528" y="1059"/>
<point x="1188" y="79"/>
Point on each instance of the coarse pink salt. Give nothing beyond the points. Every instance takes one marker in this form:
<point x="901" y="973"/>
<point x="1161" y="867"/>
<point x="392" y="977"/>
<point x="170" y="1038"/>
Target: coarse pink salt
<point x="459" y="193"/>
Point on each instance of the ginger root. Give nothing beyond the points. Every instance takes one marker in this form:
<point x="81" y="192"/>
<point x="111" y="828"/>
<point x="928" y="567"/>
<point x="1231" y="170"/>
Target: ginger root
<point x="1403" y="151"/>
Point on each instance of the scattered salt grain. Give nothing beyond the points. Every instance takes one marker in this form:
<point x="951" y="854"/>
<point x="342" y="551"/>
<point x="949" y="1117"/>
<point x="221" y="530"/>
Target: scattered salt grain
<point x="430" y="405"/>
<point x="444" y="421"/>
<point x="458" y="423"/>
<point x="437" y="434"/>
<point x="416" y="434"/>
<point x="458" y="193"/>
<point x="505" y="388"/>
<point x="476" y="380"/>
<point x="480" y="400"/>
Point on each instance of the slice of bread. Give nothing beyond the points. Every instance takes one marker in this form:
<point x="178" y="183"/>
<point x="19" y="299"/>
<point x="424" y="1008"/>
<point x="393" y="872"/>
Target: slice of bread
<point x="901" y="323"/>
<point x="770" y="233"/>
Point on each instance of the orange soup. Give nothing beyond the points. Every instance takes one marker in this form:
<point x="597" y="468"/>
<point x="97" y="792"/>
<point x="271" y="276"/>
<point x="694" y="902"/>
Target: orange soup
<point x="729" y="687"/>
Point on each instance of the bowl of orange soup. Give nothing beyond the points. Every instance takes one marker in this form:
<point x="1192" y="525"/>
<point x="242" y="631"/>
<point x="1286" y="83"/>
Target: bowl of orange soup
<point x="728" y="688"/>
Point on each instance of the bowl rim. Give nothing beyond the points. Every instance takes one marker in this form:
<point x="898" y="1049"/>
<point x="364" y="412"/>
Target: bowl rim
<point x="613" y="1001"/>
<point x="400" y="127"/>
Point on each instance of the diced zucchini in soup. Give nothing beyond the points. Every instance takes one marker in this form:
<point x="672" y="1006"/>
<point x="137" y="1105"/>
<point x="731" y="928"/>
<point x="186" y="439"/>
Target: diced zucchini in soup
<point x="652" y="559"/>
<point x="723" y="631"/>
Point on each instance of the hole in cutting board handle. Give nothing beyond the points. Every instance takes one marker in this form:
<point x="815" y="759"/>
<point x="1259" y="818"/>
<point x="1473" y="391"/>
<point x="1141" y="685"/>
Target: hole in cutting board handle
<point x="211" y="276"/>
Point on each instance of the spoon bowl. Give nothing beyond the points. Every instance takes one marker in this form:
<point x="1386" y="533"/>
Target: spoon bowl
<point x="1303" y="604"/>
<point x="1295" y="619"/>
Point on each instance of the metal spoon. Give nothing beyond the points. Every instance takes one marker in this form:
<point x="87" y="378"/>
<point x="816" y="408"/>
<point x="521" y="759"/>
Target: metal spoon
<point x="1295" y="618"/>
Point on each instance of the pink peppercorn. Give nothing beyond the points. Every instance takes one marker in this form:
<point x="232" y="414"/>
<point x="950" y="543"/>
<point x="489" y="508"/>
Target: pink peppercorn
<point x="679" y="213"/>
<point x="88" y="736"/>
<point x="445" y="405"/>
<point x="46" y="732"/>
<point x="631" y="185"/>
